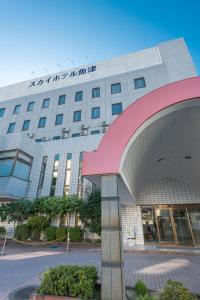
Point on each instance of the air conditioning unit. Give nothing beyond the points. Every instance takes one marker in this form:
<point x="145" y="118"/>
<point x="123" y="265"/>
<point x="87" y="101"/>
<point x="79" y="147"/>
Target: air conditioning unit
<point x="84" y="127"/>
<point x="104" y="124"/>
<point x="65" y="130"/>
<point x="31" y="135"/>
<point x="103" y="129"/>
<point x="65" y="133"/>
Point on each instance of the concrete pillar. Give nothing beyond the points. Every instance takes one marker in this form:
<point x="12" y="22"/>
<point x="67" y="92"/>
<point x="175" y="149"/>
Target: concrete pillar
<point x="112" y="281"/>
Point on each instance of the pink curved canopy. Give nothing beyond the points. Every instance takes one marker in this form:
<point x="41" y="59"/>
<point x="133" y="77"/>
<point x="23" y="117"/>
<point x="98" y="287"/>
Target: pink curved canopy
<point x="106" y="160"/>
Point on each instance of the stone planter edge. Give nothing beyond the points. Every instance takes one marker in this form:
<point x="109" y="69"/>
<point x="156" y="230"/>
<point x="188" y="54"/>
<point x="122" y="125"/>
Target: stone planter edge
<point x="50" y="297"/>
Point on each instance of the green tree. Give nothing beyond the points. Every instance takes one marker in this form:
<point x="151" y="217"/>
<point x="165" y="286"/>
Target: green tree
<point x="90" y="212"/>
<point x="48" y="206"/>
<point x="16" y="211"/>
<point x="37" y="225"/>
<point x="70" y="205"/>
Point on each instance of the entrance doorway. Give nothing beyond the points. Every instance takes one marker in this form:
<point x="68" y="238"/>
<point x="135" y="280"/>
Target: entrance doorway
<point x="174" y="226"/>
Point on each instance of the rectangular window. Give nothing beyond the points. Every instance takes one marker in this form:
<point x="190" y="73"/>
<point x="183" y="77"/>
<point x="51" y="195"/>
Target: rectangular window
<point x="56" y="137"/>
<point x="42" y="122"/>
<point x="139" y="83"/>
<point x="15" y="163"/>
<point x="96" y="92"/>
<point x="116" y="108"/>
<point x="59" y="119"/>
<point x="79" y="96"/>
<point x="39" y="140"/>
<point x="54" y="174"/>
<point x="95" y="114"/>
<point x="30" y="106"/>
<point x="26" y="125"/>
<point x="11" y="128"/>
<point x="77" y="116"/>
<point x="115" y="88"/>
<point x="2" y="110"/>
<point x="16" y="109"/>
<point x="76" y="134"/>
<point x="95" y="131"/>
<point x="45" y="103"/>
<point x="80" y="177"/>
<point x="22" y="170"/>
<point x="61" y="100"/>
<point x="67" y="174"/>
<point x="42" y="174"/>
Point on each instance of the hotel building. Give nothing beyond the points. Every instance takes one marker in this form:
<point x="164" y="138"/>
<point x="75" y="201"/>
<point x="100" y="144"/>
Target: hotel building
<point x="47" y="123"/>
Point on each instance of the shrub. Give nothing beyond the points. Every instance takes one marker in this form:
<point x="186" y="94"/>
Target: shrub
<point x="37" y="224"/>
<point x="140" y="288"/>
<point x="61" y="233"/>
<point x="176" y="291"/>
<point x="69" y="280"/>
<point x="2" y="231"/>
<point x="75" y="234"/>
<point x="50" y="233"/>
<point x="22" y="232"/>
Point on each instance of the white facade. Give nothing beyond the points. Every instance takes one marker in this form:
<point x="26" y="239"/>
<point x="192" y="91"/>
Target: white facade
<point x="158" y="66"/>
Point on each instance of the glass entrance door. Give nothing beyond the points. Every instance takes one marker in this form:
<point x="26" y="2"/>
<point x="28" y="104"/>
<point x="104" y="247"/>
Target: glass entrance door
<point x="165" y="226"/>
<point x="173" y="226"/>
<point x="181" y="223"/>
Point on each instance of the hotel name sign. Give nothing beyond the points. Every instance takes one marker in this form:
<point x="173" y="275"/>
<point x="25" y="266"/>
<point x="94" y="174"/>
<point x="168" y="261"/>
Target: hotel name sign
<point x="55" y="78"/>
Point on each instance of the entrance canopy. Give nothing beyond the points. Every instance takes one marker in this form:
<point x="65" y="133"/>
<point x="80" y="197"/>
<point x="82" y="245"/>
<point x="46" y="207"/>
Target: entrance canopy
<point x="158" y="136"/>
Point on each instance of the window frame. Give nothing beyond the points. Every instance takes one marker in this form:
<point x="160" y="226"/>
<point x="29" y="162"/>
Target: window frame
<point x="56" y="120"/>
<point x="29" y="104"/>
<point x="61" y="102"/>
<point x="76" y="96"/>
<point x="16" y="157"/>
<point x="76" y="134"/>
<point x="40" y="121"/>
<point x="24" y="129"/>
<point x="97" y="108"/>
<point x="8" y="130"/>
<point x="16" y="109"/>
<point x="94" y="92"/>
<point x="2" y="109"/>
<point x="46" y="100"/>
<point x="75" y="113"/>
<point x="114" y="105"/>
<point x="97" y="131"/>
<point x="137" y="79"/>
<point x="116" y="84"/>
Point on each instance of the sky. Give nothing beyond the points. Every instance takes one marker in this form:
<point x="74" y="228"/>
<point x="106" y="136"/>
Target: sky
<point x="38" y="37"/>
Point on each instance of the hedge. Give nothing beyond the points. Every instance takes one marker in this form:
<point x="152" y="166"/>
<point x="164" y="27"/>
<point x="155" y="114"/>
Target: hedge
<point x="68" y="280"/>
<point x="61" y="233"/>
<point x="22" y="232"/>
<point x="50" y="233"/>
<point x="75" y="234"/>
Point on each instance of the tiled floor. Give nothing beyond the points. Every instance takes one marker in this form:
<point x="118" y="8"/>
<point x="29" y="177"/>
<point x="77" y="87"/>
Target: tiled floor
<point x="22" y="266"/>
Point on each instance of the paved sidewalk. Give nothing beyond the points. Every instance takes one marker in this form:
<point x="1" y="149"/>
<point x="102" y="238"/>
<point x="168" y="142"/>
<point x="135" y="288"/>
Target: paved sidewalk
<point x="22" y="266"/>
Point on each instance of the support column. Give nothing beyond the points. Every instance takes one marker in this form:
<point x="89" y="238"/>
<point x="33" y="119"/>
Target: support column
<point x="112" y="281"/>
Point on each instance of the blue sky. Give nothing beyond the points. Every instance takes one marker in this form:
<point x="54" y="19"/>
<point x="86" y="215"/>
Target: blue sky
<point x="37" y="35"/>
